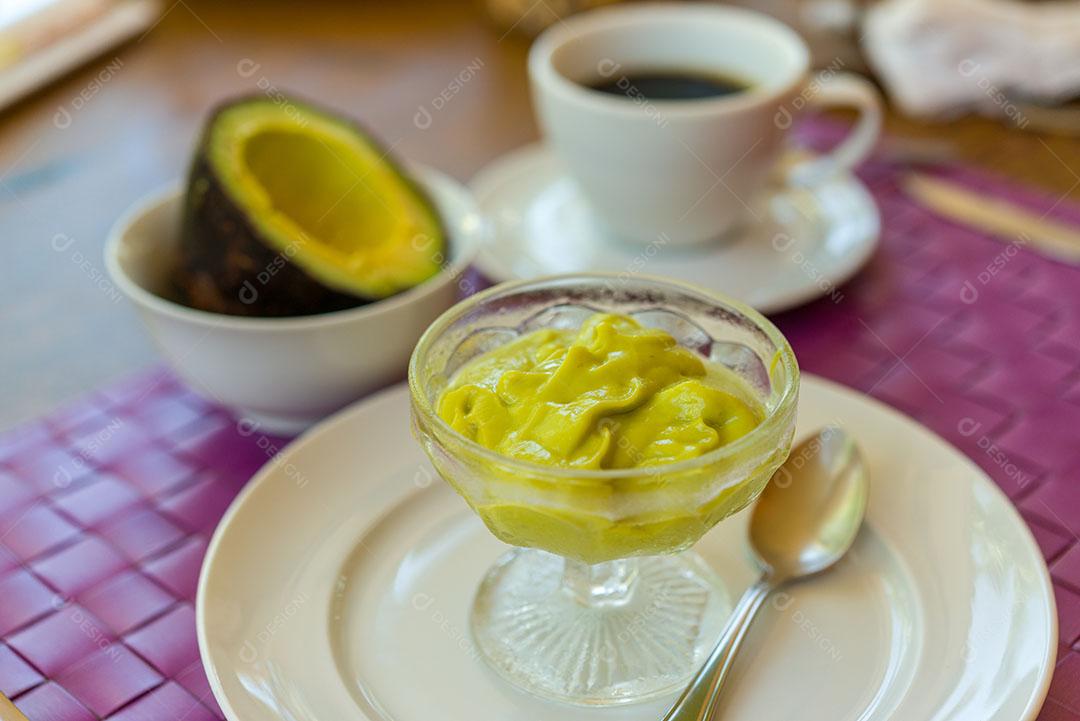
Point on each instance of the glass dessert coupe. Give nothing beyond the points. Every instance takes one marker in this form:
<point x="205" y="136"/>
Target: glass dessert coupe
<point x="600" y="602"/>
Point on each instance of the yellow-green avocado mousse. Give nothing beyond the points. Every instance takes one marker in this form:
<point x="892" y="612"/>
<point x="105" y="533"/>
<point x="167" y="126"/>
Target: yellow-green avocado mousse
<point x="610" y="395"/>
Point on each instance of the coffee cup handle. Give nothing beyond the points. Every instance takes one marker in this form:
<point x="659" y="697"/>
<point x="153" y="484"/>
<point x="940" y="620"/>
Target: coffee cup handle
<point x="846" y="90"/>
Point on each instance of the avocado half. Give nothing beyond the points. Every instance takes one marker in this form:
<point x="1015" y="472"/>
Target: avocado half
<point x="292" y="210"/>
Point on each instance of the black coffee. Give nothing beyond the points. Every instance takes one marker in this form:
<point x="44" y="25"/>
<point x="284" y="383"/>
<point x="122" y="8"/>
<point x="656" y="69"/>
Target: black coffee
<point x="670" y="85"/>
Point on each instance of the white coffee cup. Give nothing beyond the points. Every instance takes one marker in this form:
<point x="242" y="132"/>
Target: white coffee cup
<point x="684" y="171"/>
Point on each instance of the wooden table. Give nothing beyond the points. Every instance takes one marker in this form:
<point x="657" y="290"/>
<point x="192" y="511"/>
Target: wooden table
<point x="134" y="114"/>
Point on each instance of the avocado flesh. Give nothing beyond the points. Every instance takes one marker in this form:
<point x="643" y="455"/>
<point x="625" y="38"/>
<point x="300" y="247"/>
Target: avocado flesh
<point x="296" y="171"/>
<point x="302" y="212"/>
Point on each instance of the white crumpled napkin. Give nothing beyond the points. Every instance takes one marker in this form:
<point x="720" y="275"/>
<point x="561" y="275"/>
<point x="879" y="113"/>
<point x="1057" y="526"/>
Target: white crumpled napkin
<point x="940" y="57"/>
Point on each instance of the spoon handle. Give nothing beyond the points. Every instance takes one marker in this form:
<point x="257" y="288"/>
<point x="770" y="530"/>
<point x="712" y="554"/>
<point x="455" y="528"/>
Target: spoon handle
<point x="698" y="701"/>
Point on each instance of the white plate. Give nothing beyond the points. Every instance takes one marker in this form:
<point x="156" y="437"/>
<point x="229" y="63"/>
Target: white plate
<point x="338" y="584"/>
<point x="797" y="245"/>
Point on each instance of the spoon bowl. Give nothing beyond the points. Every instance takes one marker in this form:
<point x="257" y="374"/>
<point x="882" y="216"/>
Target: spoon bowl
<point x="810" y="512"/>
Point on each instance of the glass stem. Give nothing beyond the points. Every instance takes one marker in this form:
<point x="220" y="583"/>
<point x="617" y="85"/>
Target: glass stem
<point x="601" y="584"/>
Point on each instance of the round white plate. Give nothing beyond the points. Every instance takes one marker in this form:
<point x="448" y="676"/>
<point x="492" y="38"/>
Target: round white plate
<point x="339" y="582"/>
<point x="795" y="246"/>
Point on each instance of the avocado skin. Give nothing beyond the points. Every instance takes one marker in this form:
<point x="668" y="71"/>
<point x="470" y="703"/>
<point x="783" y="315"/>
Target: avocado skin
<point x="225" y="268"/>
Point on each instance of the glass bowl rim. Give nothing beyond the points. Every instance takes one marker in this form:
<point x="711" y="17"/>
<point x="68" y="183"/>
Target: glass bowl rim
<point x="423" y="406"/>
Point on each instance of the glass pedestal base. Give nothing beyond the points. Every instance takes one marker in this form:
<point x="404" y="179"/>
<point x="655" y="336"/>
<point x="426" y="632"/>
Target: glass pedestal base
<point x="612" y="633"/>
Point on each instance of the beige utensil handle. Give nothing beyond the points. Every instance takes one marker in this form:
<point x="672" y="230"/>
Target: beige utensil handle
<point x="8" y="712"/>
<point x="995" y="216"/>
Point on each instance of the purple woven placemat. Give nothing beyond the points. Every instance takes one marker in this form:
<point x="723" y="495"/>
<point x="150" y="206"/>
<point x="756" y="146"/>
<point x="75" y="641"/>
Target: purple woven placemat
<point x="106" y="506"/>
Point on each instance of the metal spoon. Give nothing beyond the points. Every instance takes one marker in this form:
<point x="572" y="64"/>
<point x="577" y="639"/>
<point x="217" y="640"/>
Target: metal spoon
<point x="805" y="521"/>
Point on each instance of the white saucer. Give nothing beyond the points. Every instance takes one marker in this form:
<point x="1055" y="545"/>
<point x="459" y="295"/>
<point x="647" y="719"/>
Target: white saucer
<point x="338" y="584"/>
<point x="795" y="247"/>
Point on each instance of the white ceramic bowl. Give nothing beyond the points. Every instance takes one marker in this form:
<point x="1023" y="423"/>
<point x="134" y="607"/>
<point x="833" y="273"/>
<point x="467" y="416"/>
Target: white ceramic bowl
<point x="284" y="373"/>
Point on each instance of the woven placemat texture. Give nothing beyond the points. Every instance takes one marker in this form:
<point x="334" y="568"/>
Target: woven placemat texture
<point x="106" y="509"/>
<point x="107" y="505"/>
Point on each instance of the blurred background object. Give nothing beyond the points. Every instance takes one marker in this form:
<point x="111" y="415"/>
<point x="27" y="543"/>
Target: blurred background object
<point x="29" y="25"/>
<point x="992" y="56"/>
<point x="530" y="17"/>
<point x="830" y="28"/>
<point x="42" y="39"/>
